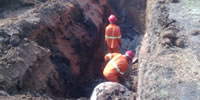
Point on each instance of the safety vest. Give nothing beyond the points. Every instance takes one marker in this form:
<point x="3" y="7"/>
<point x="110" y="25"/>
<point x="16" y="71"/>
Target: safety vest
<point x="113" y="36"/>
<point x="114" y="63"/>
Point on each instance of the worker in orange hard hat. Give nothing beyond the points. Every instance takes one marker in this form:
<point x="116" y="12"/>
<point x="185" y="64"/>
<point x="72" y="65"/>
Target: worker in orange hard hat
<point x="113" y="35"/>
<point x="117" y="65"/>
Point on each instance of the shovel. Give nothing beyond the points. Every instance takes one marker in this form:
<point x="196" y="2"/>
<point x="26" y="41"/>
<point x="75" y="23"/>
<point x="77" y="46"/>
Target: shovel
<point x="135" y="60"/>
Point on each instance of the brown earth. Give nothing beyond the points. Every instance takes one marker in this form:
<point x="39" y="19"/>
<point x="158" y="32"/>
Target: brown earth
<point x="51" y="47"/>
<point x="56" y="48"/>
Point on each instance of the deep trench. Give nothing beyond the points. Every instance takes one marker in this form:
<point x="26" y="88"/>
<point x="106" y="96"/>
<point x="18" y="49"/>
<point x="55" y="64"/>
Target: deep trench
<point x="75" y="86"/>
<point x="82" y="86"/>
<point x="131" y="19"/>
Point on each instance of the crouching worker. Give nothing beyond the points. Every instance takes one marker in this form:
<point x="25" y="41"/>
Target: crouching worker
<point x="117" y="65"/>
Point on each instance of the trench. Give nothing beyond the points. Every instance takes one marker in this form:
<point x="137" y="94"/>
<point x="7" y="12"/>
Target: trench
<point x="131" y="19"/>
<point x="131" y="15"/>
<point x="78" y="60"/>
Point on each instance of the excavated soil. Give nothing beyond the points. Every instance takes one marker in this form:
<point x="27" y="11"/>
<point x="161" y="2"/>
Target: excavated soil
<point x="169" y="54"/>
<point x="51" y="47"/>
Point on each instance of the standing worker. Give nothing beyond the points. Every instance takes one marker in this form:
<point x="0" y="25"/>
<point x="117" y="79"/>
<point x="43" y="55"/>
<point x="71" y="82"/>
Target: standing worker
<point x="113" y="35"/>
<point x="117" y="65"/>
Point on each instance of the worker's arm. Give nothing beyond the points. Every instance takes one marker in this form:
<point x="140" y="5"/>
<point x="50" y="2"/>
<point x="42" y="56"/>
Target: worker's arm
<point x="106" y="33"/>
<point x="119" y="34"/>
<point x="108" y="57"/>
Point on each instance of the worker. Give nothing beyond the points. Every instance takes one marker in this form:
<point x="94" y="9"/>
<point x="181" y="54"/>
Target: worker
<point x="113" y="35"/>
<point x="117" y="65"/>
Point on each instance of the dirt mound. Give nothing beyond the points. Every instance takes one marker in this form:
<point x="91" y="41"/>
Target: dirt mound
<point x="169" y="54"/>
<point x="52" y="47"/>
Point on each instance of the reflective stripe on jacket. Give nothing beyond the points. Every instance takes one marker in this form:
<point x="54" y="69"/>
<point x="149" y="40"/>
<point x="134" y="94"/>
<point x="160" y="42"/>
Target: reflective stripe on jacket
<point x="112" y="36"/>
<point x="117" y="65"/>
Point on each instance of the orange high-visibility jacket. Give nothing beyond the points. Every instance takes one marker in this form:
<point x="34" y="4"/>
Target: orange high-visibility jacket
<point x="113" y="36"/>
<point x="117" y="64"/>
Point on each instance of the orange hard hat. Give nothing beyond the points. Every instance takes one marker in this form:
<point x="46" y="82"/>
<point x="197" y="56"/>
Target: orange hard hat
<point x="112" y="19"/>
<point x="129" y="54"/>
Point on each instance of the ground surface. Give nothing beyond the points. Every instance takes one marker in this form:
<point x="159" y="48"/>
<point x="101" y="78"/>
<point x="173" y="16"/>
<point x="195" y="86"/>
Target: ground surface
<point x="169" y="55"/>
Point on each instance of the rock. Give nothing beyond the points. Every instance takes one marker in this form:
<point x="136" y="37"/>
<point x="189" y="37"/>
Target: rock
<point x="175" y="1"/>
<point x="166" y="41"/>
<point x="3" y="93"/>
<point x="110" y="91"/>
<point x="1" y="77"/>
<point x="2" y="32"/>
<point x="1" y="40"/>
<point x="180" y="42"/>
<point x="5" y="96"/>
<point x="169" y="34"/>
<point x="15" y="40"/>
<point x="195" y="32"/>
<point x="6" y="40"/>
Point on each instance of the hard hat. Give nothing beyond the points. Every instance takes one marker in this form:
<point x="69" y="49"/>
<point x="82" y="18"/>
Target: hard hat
<point x="129" y="54"/>
<point x="112" y="19"/>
